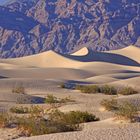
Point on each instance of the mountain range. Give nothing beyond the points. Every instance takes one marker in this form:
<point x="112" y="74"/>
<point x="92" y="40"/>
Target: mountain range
<point x="32" y="26"/>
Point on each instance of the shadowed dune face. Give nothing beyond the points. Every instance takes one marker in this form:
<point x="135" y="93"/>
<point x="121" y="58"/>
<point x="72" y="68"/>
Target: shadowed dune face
<point x="105" y="57"/>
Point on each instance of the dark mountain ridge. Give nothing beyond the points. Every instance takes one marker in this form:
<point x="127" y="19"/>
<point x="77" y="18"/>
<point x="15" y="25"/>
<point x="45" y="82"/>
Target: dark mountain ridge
<point x="33" y="26"/>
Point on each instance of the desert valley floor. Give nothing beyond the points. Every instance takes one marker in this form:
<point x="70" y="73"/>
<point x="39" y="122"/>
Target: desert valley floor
<point x="43" y="74"/>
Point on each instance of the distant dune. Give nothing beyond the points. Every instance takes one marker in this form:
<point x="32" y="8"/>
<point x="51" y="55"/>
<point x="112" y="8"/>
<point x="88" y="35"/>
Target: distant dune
<point x="81" y="52"/>
<point x="84" y="65"/>
<point x="131" y="52"/>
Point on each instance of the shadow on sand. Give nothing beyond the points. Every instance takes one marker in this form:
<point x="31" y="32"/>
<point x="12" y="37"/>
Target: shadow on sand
<point x="105" y="57"/>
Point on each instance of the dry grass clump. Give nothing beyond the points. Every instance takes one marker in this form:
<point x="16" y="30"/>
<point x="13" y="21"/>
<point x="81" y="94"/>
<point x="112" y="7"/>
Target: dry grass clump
<point x="18" y="89"/>
<point x="127" y="91"/>
<point x="35" y="110"/>
<point x="50" y="99"/>
<point x="106" y="89"/>
<point x="72" y="117"/>
<point x="33" y="126"/>
<point x="110" y="105"/>
<point x="88" y="88"/>
<point x="6" y="120"/>
<point x="20" y="110"/>
<point x="127" y="111"/>
<point x="124" y="110"/>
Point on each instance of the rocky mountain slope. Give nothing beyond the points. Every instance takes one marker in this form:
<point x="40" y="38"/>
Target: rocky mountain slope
<point x="33" y="26"/>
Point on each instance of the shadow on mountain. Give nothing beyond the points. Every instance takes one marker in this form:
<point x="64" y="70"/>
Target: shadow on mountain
<point x="16" y="21"/>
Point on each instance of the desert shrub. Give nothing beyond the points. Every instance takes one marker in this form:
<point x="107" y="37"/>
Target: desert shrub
<point x="110" y="105"/>
<point x="73" y="117"/>
<point x="108" y="90"/>
<point x="33" y="126"/>
<point x="18" y="89"/>
<point x="36" y="111"/>
<point x="20" y="110"/>
<point x="88" y="88"/>
<point x="63" y="85"/>
<point x="56" y="122"/>
<point x="127" y="111"/>
<point x="6" y="120"/>
<point x="52" y="99"/>
<point x="38" y="125"/>
<point x="33" y="110"/>
<point x="127" y="91"/>
<point x="79" y="87"/>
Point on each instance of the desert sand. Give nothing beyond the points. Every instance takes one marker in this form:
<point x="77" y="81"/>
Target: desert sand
<point x="43" y="73"/>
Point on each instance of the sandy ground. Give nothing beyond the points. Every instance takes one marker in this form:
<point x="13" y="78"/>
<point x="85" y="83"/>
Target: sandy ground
<point x="42" y="74"/>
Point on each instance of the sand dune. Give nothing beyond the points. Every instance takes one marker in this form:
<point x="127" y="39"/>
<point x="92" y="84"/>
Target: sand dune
<point x="133" y="82"/>
<point x="82" y="52"/>
<point x="44" y="60"/>
<point x="49" y="73"/>
<point x="84" y="66"/>
<point x="43" y="73"/>
<point x="130" y="52"/>
<point x="53" y="59"/>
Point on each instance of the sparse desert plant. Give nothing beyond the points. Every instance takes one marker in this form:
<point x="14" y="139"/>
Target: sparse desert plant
<point x="109" y="105"/>
<point x="79" y="87"/>
<point x="62" y="85"/>
<point x="38" y="125"/>
<point x="52" y="99"/>
<point x="128" y="111"/>
<point x="33" y="110"/>
<point x="88" y="88"/>
<point x="36" y="111"/>
<point x="33" y="126"/>
<point x="6" y="120"/>
<point x="3" y="120"/>
<point x="18" y="89"/>
<point x="127" y="91"/>
<point x="73" y="117"/>
<point x="20" y="110"/>
<point x="108" y="90"/>
<point x="57" y="121"/>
